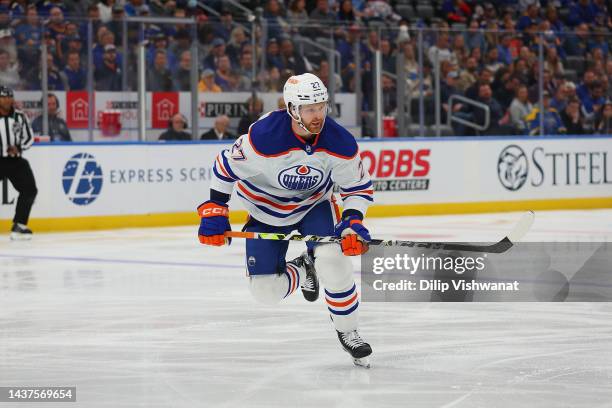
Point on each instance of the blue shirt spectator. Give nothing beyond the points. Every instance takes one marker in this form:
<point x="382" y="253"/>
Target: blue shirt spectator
<point x="76" y="76"/>
<point x="581" y="12"/>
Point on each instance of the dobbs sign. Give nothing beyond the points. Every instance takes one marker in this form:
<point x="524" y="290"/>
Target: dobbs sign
<point x="398" y="169"/>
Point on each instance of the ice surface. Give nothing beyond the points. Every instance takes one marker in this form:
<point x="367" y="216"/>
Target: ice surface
<point x="148" y="317"/>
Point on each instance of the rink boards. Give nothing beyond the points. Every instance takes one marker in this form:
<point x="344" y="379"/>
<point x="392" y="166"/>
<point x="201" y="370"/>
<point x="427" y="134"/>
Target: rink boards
<point x="104" y="185"/>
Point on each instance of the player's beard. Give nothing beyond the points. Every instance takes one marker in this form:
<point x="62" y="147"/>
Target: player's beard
<point x="315" y="128"/>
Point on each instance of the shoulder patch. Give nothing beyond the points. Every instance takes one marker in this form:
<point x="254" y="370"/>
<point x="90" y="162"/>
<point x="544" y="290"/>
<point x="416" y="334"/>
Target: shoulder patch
<point x="237" y="153"/>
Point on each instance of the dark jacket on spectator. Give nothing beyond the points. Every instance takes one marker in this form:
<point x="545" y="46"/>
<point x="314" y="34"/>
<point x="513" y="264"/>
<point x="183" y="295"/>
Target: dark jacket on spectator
<point x="108" y="78"/>
<point x="211" y="135"/>
<point x="58" y="130"/>
<point x="159" y="81"/>
<point x="571" y="127"/>
<point x="172" y="134"/>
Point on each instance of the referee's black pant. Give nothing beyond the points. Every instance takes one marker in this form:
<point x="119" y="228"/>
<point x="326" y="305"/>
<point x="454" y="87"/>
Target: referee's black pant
<point x="19" y="173"/>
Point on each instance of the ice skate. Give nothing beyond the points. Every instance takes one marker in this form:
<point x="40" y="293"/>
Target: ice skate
<point x="20" y="232"/>
<point x="353" y="344"/>
<point x="310" y="285"/>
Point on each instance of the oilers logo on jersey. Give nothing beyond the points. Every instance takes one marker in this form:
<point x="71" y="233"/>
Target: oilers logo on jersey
<point x="300" y="177"/>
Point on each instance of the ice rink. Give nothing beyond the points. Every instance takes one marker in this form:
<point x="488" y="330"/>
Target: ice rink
<point x="150" y="318"/>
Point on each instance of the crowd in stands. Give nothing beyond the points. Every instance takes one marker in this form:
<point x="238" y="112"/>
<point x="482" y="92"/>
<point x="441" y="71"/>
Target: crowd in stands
<point x="487" y="52"/>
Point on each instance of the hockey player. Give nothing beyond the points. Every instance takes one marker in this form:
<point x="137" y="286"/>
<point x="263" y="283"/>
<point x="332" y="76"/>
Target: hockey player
<point x="283" y="171"/>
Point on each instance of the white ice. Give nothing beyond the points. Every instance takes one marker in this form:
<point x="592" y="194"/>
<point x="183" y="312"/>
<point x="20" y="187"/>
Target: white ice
<point x="149" y="318"/>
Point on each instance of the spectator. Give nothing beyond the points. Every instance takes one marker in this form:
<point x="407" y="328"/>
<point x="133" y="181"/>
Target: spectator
<point x="28" y="32"/>
<point x="9" y="72"/>
<point x="459" y="49"/>
<point x="217" y="51"/>
<point x="322" y="17"/>
<point x="456" y="11"/>
<point x="223" y="74"/>
<point x="58" y="130"/>
<point x="207" y="82"/>
<point x="238" y="39"/>
<point x="245" y="70"/>
<point x="492" y="60"/>
<point x="159" y="78"/>
<point x="291" y="59"/>
<point x="380" y="10"/>
<point x="603" y="121"/>
<point x="529" y="18"/>
<point x="519" y="109"/>
<point x="388" y="55"/>
<point x="297" y="15"/>
<point x="116" y="23"/>
<point x="578" y="40"/>
<point x="484" y="78"/>
<point x="572" y="118"/>
<point x="553" y="125"/>
<point x="56" y="27"/>
<point x="7" y="43"/>
<point x="182" y="76"/>
<point x="324" y="74"/>
<point x="468" y="75"/>
<point x="74" y="44"/>
<point x="345" y="46"/>
<point x="496" y="112"/>
<point x="176" y="129"/>
<point x="504" y="53"/>
<point x="56" y="79"/>
<point x="273" y="54"/>
<point x="223" y="28"/>
<point x="220" y="130"/>
<point x="105" y="8"/>
<point x="346" y="13"/>
<point x="75" y="75"/>
<point x="552" y="62"/>
<point x="389" y="97"/>
<point x="132" y="7"/>
<point x="447" y="89"/>
<point x="273" y="14"/>
<point x="581" y="12"/>
<point x="108" y="76"/>
<point x="505" y="87"/>
<point x="255" y="110"/>
<point x="280" y="103"/>
<point x="442" y="50"/>
<point x="160" y="42"/>
<point x="105" y="38"/>
<point x="593" y="102"/>
<point x="93" y="15"/>
<point x="474" y="37"/>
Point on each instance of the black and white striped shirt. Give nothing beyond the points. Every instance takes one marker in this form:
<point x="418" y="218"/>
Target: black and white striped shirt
<point x="15" y="130"/>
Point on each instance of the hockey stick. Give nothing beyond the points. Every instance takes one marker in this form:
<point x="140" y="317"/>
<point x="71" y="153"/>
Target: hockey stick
<point x="519" y="230"/>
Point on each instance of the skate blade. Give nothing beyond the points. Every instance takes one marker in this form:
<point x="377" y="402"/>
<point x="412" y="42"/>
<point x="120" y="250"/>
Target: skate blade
<point x="362" y="362"/>
<point x="20" y="237"/>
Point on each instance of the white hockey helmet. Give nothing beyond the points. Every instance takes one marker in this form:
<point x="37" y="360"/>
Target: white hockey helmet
<point x="304" y="89"/>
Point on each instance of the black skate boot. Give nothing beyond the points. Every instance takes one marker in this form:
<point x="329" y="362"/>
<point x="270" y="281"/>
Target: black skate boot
<point x="353" y="344"/>
<point x="20" y="232"/>
<point x="310" y="285"/>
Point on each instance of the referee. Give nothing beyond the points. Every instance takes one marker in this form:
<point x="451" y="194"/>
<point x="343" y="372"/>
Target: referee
<point x="16" y="136"/>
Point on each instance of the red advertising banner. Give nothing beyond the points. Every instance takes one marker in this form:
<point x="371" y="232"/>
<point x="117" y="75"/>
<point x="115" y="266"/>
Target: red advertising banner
<point x="77" y="109"/>
<point x="165" y="104"/>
